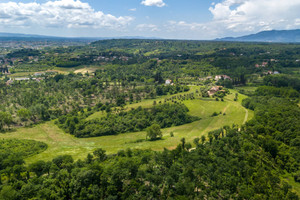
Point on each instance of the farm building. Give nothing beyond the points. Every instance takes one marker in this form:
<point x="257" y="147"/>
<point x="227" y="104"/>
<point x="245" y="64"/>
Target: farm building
<point x="214" y="90"/>
<point x="218" y="77"/>
<point x="168" y="82"/>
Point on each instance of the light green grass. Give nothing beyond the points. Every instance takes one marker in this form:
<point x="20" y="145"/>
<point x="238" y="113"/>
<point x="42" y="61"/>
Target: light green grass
<point x="290" y="180"/>
<point x="21" y="74"/>
<point x="61" y="143"/>
<point x="248" y="88"/>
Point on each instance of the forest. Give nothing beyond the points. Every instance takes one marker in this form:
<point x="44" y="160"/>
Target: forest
<point x="151" y="119"/>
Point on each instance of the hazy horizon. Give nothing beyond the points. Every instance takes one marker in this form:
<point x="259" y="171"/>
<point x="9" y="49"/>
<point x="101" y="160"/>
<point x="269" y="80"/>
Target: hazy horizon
<point x="166" y="19"/>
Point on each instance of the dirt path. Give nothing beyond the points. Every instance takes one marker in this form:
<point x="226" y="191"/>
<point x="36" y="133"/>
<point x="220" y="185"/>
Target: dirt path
<point x="246" y="116"/>
<point x="224" y="110"/>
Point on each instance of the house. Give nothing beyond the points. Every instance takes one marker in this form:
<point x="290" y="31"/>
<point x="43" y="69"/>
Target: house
<point x="218" y="77"/>
<point x="214" y="90"/>
<point x="268" y="73"/>
<point x="22" y="79"/>
<point x="168" y="82"/>
<point x="9" y="82"/>
<point x="39" y="73"/>
<point x="264" y="64"/>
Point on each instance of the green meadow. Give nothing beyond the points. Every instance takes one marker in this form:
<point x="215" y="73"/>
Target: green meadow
<point x="60" y="143"/>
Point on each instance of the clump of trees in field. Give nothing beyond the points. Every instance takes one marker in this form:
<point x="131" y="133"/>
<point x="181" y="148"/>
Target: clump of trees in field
<point x="164" y="115"/>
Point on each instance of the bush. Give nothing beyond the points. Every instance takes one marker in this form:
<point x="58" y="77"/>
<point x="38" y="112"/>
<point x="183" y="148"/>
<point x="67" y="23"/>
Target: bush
<point x="172" y="134"/>
<point x="214" y="114"/>
<point x="153" y="132"/>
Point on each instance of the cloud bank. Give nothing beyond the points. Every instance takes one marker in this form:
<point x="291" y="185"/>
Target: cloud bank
<point x="256" y="15"/>
<point x="60" y="14"/>
<point x="240" y="17"/>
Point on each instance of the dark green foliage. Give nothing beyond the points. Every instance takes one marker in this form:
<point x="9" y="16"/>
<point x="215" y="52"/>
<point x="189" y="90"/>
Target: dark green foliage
<point x="277" y="92"/>
<point x="233" y="166"/>
<point x="165" y="115"/>
<point x="23" y="53"/>
<point x="68" y="64"/>
<point x="5" y="120"/>
<point x="22" y="148"/>
<point x="282" y="81"/>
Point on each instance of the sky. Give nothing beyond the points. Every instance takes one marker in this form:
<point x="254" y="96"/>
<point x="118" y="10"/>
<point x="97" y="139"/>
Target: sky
<point x="169" y="19"/>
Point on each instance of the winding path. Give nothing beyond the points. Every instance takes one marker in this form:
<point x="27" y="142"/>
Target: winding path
<point x="246" y="116"/>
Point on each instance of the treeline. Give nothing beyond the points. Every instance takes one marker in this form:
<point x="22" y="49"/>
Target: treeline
<point x="277" y="92"/>
<point x="283" y="81"/>
<point x="24" y="53"/>
<point x="165" y="115"/>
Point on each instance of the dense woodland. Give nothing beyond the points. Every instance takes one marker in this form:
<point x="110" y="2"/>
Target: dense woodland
<point x="165" y="115"/>
<point x="232" y="162"/>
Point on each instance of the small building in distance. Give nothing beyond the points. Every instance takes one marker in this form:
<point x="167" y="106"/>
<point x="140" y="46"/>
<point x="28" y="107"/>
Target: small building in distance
<point x="214" y="90"/>
<point x="22" y="79"/>
<point x="9" y="82"/>
<point x="168" y="82"/>
<point x="218" y="77"/>
<point x="39" y="73"/>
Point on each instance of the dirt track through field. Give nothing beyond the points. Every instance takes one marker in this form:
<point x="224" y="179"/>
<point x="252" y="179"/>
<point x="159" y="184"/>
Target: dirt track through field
<point x="246" y="116"/>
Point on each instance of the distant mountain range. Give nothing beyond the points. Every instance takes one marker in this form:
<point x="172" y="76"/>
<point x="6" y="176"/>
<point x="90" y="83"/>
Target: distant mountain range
<point x="286" y="36"/>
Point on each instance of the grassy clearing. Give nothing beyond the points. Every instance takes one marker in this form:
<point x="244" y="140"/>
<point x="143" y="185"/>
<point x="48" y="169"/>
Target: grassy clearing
<point x="89" y="69"/>
<point x="60" y="143"/>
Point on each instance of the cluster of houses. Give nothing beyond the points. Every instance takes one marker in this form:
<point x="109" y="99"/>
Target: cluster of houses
<point x="271" y="72"/>
<point x="102" y="58"/>
<point x="265" y="63"/>
<point x="169" y="82"/>
<point x="222" y="77"/>
<point x="38" y="77"/>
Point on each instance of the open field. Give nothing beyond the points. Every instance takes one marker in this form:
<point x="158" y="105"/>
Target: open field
<point x="61" y="143"/>
<point x="89" y="69"/>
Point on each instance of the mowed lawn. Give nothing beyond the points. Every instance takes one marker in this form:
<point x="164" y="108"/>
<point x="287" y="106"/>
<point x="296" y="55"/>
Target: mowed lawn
<point x="60" y="143"/>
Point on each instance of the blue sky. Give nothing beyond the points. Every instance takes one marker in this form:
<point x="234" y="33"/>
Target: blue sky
<point x="172" y="19"/>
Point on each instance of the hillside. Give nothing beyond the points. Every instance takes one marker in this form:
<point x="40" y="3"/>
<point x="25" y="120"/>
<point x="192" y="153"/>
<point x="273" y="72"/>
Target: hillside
<point x="286" y="36"/>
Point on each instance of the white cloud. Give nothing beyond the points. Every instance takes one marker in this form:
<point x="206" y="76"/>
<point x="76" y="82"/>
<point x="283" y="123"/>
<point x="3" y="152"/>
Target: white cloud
<point x="59" y="13"/>
<point x="256" y="15"/>
<point x="183" y="29"/>
<point x="187" y="26"/>
<point x="158" y="3"/>
<point x="132" y="9"/>
<point x="147" y="27"/>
